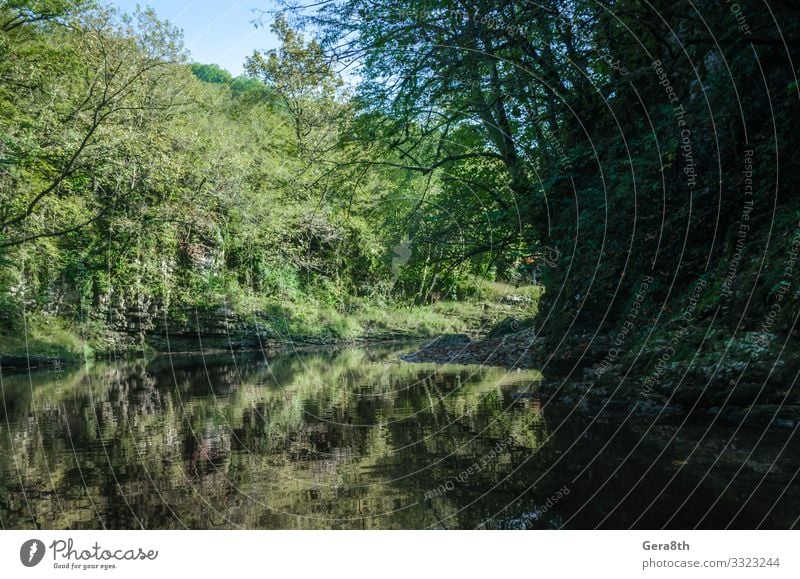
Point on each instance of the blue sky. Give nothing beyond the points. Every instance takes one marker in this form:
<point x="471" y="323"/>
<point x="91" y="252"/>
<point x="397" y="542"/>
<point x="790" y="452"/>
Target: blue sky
<point x="219" y="32"/>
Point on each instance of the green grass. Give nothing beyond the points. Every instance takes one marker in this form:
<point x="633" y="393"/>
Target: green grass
<point x="365" y="320"/>
<point x="43" y="337"/>
<point x="307" y="318"/>
<point x="421" y="321"/>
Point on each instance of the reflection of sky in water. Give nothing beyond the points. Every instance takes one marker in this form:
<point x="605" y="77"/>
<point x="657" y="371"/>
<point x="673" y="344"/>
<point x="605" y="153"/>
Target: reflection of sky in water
<point x="345" y="439"/>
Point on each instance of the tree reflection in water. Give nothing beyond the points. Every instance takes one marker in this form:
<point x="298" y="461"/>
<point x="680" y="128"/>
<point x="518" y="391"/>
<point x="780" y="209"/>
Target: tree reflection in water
<point x="349" y="438"/>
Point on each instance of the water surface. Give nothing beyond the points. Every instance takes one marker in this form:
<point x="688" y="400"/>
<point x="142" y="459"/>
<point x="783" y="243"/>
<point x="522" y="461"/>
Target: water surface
<point x="354" y="439"/>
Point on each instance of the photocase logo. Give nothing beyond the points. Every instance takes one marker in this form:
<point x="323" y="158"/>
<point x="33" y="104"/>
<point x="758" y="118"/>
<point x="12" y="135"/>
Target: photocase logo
<point x="31" y="553"/>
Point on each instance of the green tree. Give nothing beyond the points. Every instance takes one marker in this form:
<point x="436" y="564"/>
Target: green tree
<point x="302" y="78"/>
<point x="211" y="73"/>
<point x="72" y="95"/>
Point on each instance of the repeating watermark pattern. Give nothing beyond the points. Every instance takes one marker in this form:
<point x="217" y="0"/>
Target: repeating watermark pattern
<point x="630" y="321"/>
<point x="741" y="20"/>
<point x="685" y="126"/>
<point x="784" y="285"/>
<point x="546" y="257"/>
<point x="553" y="142"/>
<point x="744" y="225"/>
<point x="473" y="469"/>
<point x="528" y="519"/>
<point x="663" y="80"/>
<point x="221" y="18"/>
<point x="685" y="134"/>
<point x="676" y="336"/>
<point x="614" y="63"/>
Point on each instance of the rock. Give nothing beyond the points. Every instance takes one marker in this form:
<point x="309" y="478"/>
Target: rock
<point x="515" y="300"/>
<point x="509" y="325"/>
<point x="763" y="414"/>
<point x="741" y="395"/>
<point x="691" y="395"/>
<point x="762" y="467"/>
<point x="733" y="415"/>
<point x="653" y="407"/>
<point x="449" y="340"/>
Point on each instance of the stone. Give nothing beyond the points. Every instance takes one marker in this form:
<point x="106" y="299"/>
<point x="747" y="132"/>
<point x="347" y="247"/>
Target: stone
<point x="691" y="395"/>
<point x="741" y="395"/>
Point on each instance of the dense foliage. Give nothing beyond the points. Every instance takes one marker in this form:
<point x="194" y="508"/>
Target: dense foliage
<point x="598" y="143"/>
<point x="134" y="184"/>
<point x="586" y="145"/>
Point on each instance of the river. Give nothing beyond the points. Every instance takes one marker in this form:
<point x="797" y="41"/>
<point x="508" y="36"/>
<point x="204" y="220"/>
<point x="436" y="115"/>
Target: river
<point x="353" y="438"/>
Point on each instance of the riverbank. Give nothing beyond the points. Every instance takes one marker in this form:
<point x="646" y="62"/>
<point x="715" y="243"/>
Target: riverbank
<point x="739" y="380"/>
<point x="44" y="340"/>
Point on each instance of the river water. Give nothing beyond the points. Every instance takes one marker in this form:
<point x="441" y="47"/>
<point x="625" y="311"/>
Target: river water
<point x="353" y="438"/>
